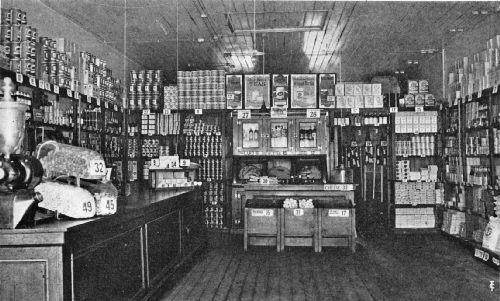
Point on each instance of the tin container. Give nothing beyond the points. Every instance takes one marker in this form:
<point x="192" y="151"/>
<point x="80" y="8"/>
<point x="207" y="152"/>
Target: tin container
<point x="15" y="50"/>
<point x="141" y="76"/>
<point x="53" y="68"/>
<point x="15" y="65"/>
<point x="16" y="33"/>
<point x="6" y="33"/>
<point x="150" y="76"/>
<point x="25" y="66"/>
<point x="26" y="33"/>
<point x="7" y="16"/>
<point x="34" y="34"/>
<point x="158" y="75"/>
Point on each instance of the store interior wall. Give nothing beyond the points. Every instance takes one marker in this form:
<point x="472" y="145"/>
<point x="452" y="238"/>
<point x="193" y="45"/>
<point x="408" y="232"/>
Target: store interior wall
<point x="53" y="25"/>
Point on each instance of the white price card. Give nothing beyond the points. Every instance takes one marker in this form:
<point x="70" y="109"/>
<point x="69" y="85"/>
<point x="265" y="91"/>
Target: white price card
<point x="480" y="94"/>
<point x="298" y="212"/>
<point x="98" y="100"/>
<point x="230" y="96"/>
<point x="19" y="77"/>
<point x="32" y="81"/>
<point x="106" y="105"/>
<point x="338" y="187"/>
<point x="419" y="108"/>
<point x="171" y="161"/>
<point x="56" y="89"/>
<point x="354" y="110"/>
<point x="69" y="93"/>
<point x="107" y="206"/>
<point x="41" y="84"/>
<point x="97" y="168"/>
<point x="167" y="112"/>
<point x="495" y="89"/>
<point x="338" y="213"/>
<point x="185" y="162"/>
<point x="495" y="261"/>
<point x="77" y="95"/>
<point x="89" y="99"/>
<point x="47" y="87"/>
<point x="115" y="108"/>
<point x="244" y="114"/>
<point x="198" y="111"/>
<point x="313" y="113"/>
<point x="146" y="112"/>
<point x="393" y="109"/>
<point x="262" y="212"/>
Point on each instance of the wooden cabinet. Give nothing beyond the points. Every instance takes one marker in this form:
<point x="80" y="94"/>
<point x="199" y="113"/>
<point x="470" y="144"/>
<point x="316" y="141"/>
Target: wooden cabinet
<point x="121" y="257"/>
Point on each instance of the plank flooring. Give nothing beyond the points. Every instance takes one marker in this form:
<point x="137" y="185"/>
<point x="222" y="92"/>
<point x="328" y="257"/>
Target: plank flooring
<point x="385" y="267"/>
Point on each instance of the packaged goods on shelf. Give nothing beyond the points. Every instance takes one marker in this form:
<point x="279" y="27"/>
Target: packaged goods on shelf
<point x="476" y="115"/>
<point x="133" y="148"/>
<point x="416" y="122"/>
<point x="453" y="221"/>
<point x="415" y="193"/>
<point x="213" y="194"/>
<point x="360" y="120"/>
<point x="150" y="148"/>
<point x="415" y="218"/>
<point x="404" y="172"/>
<point x="146" y="89"/>
<point x="202" y="89"/>
<point x="454" y="170"/>
<point x="170" y="97"/>
<point x="451" y="146"/>
<point x="491" y="238"/>
<point x="214" y="217"/>
<point x="477" y="172"/>
<point x="160" y="124"/>
<point x="421" y="145"/>
<point x="354" y="95"/>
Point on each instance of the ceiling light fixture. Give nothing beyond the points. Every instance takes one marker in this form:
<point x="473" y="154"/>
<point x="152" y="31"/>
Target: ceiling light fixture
<point x="475" y="12"/>
<point x="201" y="40"/>
<point x="203" y="15"/>
<point x="483" y="12"/>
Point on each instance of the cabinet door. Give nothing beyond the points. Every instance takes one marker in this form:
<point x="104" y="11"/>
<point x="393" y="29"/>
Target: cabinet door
<point x="309" y="135"/>
<point x="248" y="137"/>
<point x="279" y="136"/>
<point x="23" y="280"/>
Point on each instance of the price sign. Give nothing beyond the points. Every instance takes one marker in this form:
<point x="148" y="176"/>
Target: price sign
<point x="338" y="213"/>
<point x="32" y="81"/>
<point x="69" y="93"/>
<point x="41" y="84"/>
<point x="496" y="261"/>
<point x="115" y="108"/>
<point x="495" y="90"/>
<point x="98" y="101"/>
<point x="262" y="212"/>
<point x="19" y="77"/>
<point x="56" y="89"/>
<point x="171" y="161"/>
<point x="354" y="110"/>
<point x="166" y="111"/>
<point x="393" y="109"/>
<point x="88" y="207"/>
<point x="480" y="94"/>
<point x="108" y="205"/>
<point x="419" y="108"/>
<point x="97" y="168"/>
<point x="313" y="113"/>
<point x="338" y="187"/>
<point x="230" y="96"/>
<point x="47" y="86"/>
<point x="146" y="112"/>
<point x="185" y="162"/>
<point x="198" y="111"/>
<point x="298" y="212"/>
<point x="244" y="114"/>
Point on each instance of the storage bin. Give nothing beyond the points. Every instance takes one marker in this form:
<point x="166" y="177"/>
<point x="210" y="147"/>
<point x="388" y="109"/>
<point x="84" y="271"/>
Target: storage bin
<point x="336" y="224"/>
<point x="299" y="228"/>
<point x="262" y="226"/>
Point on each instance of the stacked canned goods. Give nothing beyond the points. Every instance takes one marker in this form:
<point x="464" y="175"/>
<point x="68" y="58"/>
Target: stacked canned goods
<point x="133" y="148"/>
<point x="19" y="41"/>
<point x="150" y="148"/>
<point x="160" y="124"/>
<point x="201" y="89"/>
<point x="53" y="65"/>
<point x="146" y="89"/>
<point x="170" y="97"/>
<point x="114" y="147"/>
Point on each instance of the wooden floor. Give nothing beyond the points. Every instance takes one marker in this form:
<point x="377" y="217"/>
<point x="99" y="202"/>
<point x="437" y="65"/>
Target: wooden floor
<point x="411" y="267"/>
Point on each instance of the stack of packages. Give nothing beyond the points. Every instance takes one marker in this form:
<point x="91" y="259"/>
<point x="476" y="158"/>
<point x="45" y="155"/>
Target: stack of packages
<point x="292" y="203"/>
<point x="201" y="89"/>
<point x="354" y="95"/>
<point x="418" y="95"/>
<point x="170" y="97"/>
<point x="145" y="89"/>
<point x="475" y="73"/>
<point x="55" y="66"/>
<point x="17" y="40"/>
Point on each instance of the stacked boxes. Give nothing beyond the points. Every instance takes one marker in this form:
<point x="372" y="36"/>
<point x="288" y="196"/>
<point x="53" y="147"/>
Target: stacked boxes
<point x="453" y="222"/>
<point x="160" y="124"/>
<point x="352" y="95"/>
<point x="415" y="193"/>
<point x="170" y="97"/>
<point x="416" y="122"/>
<point x="418" y="95"/>
<point x="417" y="145"/>
<point x="150" y="149"/>
<point x="18" y="42"/>
<point x="415" y="217"/>
<point x="201" y="89"/>
<point x="145" y="89"/>
<point x="404" y="173"/>
<point x="475" y="73"/>
<point x="97" y="80"/>
<point x="403" y="170"/>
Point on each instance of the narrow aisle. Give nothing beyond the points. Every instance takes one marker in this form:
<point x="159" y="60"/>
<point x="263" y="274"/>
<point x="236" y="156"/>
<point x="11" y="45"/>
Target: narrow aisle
<point x="429" y="267"/>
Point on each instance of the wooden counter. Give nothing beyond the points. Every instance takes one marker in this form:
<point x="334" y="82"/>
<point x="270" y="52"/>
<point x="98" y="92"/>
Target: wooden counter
<point x="123" y="256"/>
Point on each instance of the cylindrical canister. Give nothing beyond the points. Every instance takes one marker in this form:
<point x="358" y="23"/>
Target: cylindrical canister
<point x="7" y="16"/>
<point x="5" y="33"/>
<point x="15" y="50"/>
<point x="16" y="33"/>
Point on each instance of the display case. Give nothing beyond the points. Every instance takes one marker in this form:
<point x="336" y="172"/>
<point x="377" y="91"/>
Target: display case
<point x="247" y="136"/>
<point x="309" y="136"/>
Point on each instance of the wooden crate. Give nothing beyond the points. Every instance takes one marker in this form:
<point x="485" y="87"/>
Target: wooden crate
<point x="262" y="227"/>
<point x="299" y="227"/>
<point x="336" y="227"/>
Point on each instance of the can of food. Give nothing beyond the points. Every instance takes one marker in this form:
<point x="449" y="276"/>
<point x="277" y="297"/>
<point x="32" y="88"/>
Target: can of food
<point x="54" y="55"/>
<point x="7" y="16"/>
<point x="34" y="34"/>
<point x="45" y="54"/>
<point x="25" y="33"/>
<point x="61" y="69"/>
<point x="21" y="17"/>
<point x="15" y="65"/>
<point x="45" y="68"/>
<point x="25" y="50"/>
<point x="15" y="50"/>
<point x="53" y="68"/>
<point x="25" y="66"/>
<point x="149" y="76"/>
<point x="32" y="50"/>
<point x="33" y="67"/>
<point x="16" y="33"/>
<point x="6" y="33"/>
<point x="141" y="76"/>
<point x="158" y="75"/>
<point x="45" y="41"/>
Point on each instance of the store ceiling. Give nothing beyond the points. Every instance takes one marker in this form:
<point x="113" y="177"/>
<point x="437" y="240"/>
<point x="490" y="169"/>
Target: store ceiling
<point x="352" y="38"/>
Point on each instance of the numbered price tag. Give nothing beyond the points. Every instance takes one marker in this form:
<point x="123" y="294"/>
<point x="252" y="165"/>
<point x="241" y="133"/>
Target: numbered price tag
<point x="19" y="77"/>
<point x="32" y="81"/>
<point x="146" y="112"/>
<point x="56" y="89"/>
<point x="313" y="113"/>
<point x="338" y="213"/>
<point x="230" y="96"/>
<point x="97" y="168"/>
<point x="41" y="84"/>
<point x="480" y="94"/>
<point x="69" y="93"/>
<point x="393" y="109"/>
<point x="262" y="212"/>
<point x="244" y="114"/>
<point x="98" y="101"/>
<point x="338" y="187"/>
<point x="298" y="212"/>
<point x="354" y="110"/>
<point x="107" y="206"/>
<point x="88" y="207"/>
<point x="167" y="112"/>
<point x="198" y="111"/>
<point x="185" y="162"/>
<point x="419" y="108"/>
<point x="47" y="87"/>
<point x="495" y="90"/>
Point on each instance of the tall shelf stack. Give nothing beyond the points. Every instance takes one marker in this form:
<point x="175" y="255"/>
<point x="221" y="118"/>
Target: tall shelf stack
<point x="472" y="154"/>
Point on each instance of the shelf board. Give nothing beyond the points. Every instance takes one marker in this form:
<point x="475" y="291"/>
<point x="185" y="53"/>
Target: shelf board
<point x="482" y="254"/>
<point x="477" y="156"/>
<point x="414" y="206"/>
<point x="417" y="156"/>
<point x="477" y="128"/>
<point x="416" y="230"/>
